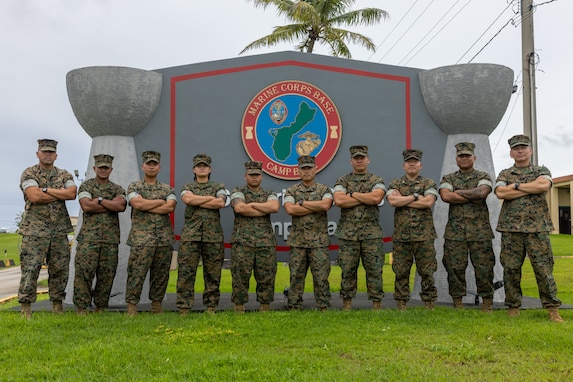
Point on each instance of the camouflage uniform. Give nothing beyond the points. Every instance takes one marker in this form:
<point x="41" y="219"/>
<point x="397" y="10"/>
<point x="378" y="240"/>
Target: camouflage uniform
<point x="360" y="237"/>
<point x="97" y="249"/>
<point x="202" y="237"/>
<point x="525" y="225"/>
<point x="151" y="240"/>
<point x="44" y="231"/>
<point x="413" y="239"/>
<point x="253" y="249"/>
<point x="308" y="240"/>
<point x="468" y="230"/>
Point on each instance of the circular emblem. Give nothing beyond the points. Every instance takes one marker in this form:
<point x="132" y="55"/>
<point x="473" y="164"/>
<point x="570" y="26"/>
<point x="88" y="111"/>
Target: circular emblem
<point x="286" y="120"/>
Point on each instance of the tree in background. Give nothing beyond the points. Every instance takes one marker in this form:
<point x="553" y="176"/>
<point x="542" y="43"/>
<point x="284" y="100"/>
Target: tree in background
<point x="317" y="21"/>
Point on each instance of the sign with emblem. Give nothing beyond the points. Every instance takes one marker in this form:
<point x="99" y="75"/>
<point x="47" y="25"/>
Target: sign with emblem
<point x="286" y="120"/>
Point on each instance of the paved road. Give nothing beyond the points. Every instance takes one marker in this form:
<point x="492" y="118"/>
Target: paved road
<point x="10" y="279"/>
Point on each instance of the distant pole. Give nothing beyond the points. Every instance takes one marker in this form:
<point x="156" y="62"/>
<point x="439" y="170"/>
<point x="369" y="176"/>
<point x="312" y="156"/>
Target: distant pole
<point x="528" y="57"/>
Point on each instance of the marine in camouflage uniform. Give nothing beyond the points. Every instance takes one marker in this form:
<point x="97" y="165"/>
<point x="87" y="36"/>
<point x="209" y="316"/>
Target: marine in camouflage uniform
<point x="413" y="197"/>
<point x="202" y="237"/>
<point x="359" y="233"/>
<point x="468" y="229"/>
<point x="308" y="203"/>
<point x="44" y="228"/>
<point x="151" y="235"/>
<point x="525" y="224"/>
<point x="253" y="243"/>
<point x="97" y="251"/>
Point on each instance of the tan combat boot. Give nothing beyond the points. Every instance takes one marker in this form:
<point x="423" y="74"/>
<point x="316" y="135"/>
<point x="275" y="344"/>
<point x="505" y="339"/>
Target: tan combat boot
<point x="156" y="307"/>
<point x="99" y="310"/>
<point x="347" y="304"/>
<point x="183" y="312"/>
<point x="458" y="303"/>
<point x="265" y="308"/>
<point x="513" y="312"/>
<point x="57" y="307"/>
<point x="211" y="310"/>
<point x="554" y="315"/>
<point x="239" y="308"/>
<point x="376" y="305"/>
<point x="429" y="305"/>
<point x="82" y="312"/>
<point x="487" y="305"/>
<point x="401" y="305"/>
<point x="27" y="310"/>
<point x="131" y="310"/>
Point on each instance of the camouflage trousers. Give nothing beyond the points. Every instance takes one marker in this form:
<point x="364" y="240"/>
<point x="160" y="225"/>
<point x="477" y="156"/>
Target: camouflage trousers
<point x="190" y="252"/>
<point x="514" y="247"/>
<point x="372" y="256"/>
<point x="455" y="261"/>
<point x="56" y="251"/>
<point x="424" y="253"/>
<point x="300" y="260"/>
<point x="97" y="260"/>
<point x="156" y="260"/>
<point x="262" y="262"/>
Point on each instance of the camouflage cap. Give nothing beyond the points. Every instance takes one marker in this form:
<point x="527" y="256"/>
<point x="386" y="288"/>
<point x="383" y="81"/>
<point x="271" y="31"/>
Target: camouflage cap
<point x="47" y="145"/>
<point x="519" y="140"/>
<point x="306" y="161"/>
<point x="151" y="156"/>
<point x="359" y="150"/>
<point x="103" y="160"/>
<point x="253" y="167"/>
<point x="465" y="148"/>
<point x="412" y="154"/>
<point x="201" y="158"/>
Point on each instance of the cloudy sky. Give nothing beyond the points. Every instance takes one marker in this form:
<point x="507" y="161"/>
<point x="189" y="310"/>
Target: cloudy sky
<point x="42" y="40"/>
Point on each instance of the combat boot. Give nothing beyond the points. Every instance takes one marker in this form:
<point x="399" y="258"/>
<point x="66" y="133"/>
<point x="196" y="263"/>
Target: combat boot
<point x="513" y="312"/>
<point x="458" y="303"/>
<point x="265" y="308"/>
<point x="27" y="310"/>
<point x="401" y="305"/>
<point x="131" y="310"/>
<point x="156" y="307"/>
<point x="183" y="312"/>
<point x="239" y="308"/>
<point x="82" y="312"/>
<point x="347" y="304"/>
<point x="211" y="310"/>
<point x="429" y="305"/>
<point x="376" y="305"/>
<point x="99" y="310"/>
<point x="487" y="305"/>
<point x="57" y="307"/>
<point x="554" y="315"/>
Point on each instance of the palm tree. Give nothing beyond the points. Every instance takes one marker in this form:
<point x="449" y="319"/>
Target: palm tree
<point x="317" y="21"/>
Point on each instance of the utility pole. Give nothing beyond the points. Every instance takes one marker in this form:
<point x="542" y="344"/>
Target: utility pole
<point x="528" y="59"/>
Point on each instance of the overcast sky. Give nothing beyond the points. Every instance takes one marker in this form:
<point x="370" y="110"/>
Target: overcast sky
<point x="42" y="40"/>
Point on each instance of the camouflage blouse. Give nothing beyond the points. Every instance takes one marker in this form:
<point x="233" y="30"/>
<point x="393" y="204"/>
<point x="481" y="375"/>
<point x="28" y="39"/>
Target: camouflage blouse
<point x="530" y="213"/>
<point x="413" y="224"/>
<point x="360" y="222"/>
<point x="45" y="219"/>
<point x="149" y="229"/>
<point x="203" y="224"/>
<point x="100" y="227"/>
<point x="468" y="221"/>
<point x="308" y="231"/>
<point x="253" y="231"/>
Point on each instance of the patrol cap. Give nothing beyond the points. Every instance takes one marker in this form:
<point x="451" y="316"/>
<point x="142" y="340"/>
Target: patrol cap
<point x="47" y="145"/>
<point x="306" y="161"/>
<point x="253" y="167"/>
<point x="151" y="156"/>
<point x="465" y="148"/>
<point x="358" y="150"/>
<point x="103" y="160"/>
<point x="201" y="158"/>
<point x="519" y="140"/>
<point x="412" y="154"/>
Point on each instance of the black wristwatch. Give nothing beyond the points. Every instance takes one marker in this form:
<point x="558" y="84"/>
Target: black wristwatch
<point x="99" y="200"/>
<point x="416" y="196"/>
<point x="300" y="202"/>
<point x="350" y="193"/>
<point x="517" y="185"/>
<point x="45" y="189"/>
